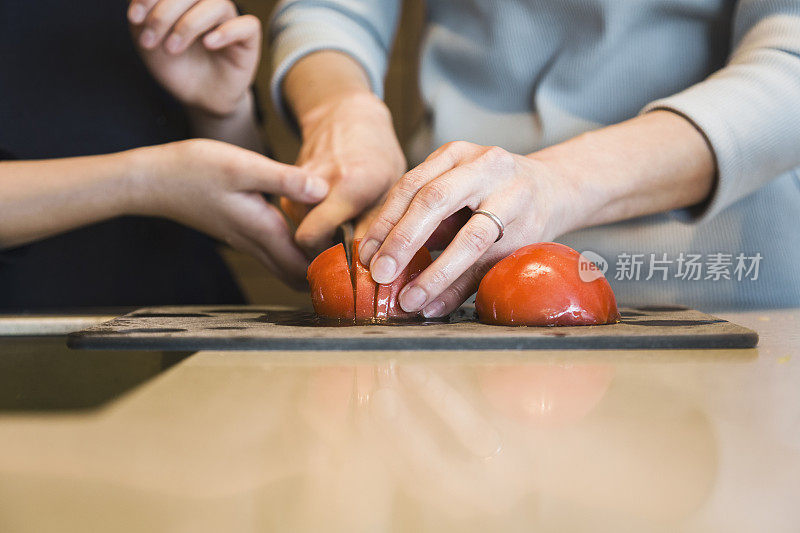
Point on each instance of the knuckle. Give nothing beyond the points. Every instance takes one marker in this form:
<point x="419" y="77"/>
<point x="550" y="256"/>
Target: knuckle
<point x="432" y="197"/>
<point x="408" y="186"/>
<point x="401" y="238"/>
<point x="477" y="238"/>
<point x="457" y="146"/>
<point x="384" y="225"/>
<point x="288" y="184"/>
<point x="499" y="157"/>
<point x="439" y="278"/>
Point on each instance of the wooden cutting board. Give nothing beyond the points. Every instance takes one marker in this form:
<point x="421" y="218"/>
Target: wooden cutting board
<point x="191" y="328"/>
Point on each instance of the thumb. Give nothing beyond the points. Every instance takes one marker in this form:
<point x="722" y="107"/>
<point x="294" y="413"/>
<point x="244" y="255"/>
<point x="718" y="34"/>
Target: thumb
<point x="317" y="229"/>
<point x="293" y="182"/>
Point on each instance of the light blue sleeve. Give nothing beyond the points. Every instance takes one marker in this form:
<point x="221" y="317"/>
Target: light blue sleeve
<point x="363" y="29"/>
<point x="750" y="109"/>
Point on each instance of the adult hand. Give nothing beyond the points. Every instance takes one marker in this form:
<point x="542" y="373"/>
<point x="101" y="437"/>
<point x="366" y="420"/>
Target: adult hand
<point x="201" y="51"/>
<point x="218" y="188"/>
<point x="349" y="141"/>
<point x="522" y="191"/>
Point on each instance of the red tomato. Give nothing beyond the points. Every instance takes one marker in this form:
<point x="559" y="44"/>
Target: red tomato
<point x="352" y="294"/>
<point x="331" y="288"/>
<point x="365" y="287"/>
<point x="540" y="285"/>
<point x="386" y="304"/>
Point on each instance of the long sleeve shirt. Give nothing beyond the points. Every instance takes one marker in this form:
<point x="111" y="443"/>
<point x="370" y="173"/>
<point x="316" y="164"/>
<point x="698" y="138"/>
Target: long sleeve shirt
<point x="525" y="74"/>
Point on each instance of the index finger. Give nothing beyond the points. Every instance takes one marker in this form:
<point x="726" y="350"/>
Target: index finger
<point x="402" y="194"/>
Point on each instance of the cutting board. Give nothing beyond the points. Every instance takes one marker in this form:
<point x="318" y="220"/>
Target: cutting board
<point x="280" y="328"/>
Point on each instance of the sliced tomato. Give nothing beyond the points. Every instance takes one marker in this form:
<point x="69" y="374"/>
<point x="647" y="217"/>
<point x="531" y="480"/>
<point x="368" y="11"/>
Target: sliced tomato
<point x="331" y="287"/>
<point x="386" y="304"/>
<point x="352" y="294"/>
<point x="364" y="286"/>
<point x="540" y="285"/>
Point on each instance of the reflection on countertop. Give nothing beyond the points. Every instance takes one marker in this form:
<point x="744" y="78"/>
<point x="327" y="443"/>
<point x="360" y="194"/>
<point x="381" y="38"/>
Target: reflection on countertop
<point x="705" y="440"/>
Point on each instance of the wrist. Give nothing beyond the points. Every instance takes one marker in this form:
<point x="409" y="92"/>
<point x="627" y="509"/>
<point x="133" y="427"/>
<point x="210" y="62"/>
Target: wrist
<point x="201" y="116"/>
<point x="367" y="105"/>
<point x="322" y="78"/>
<point x="138" y="180"/>
<point x="570" y="196"/>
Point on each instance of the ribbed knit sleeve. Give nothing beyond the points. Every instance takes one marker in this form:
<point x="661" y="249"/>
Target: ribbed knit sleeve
<point x="363" y="29"/>
<point x="749" y="110"/>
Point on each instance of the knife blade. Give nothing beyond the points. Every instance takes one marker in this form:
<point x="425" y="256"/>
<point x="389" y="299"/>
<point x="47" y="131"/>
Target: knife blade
<point x="345" y="234"/>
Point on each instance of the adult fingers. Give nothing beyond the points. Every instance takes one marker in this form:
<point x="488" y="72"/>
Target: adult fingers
<point x="403" y="192"/>
<point x="245" y="30"/>
<point x="433" y="203"/>
<point x="160" y="18"/>
<point x="466" y="249"/>
<point x="465" y="286"/>
<point x="202" y="17"/>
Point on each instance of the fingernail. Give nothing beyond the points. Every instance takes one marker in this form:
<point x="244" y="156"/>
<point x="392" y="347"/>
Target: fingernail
<point x="434" y="310"/>
<point x="412" y="299"/>
<point x="174" y="43"/>
<point x="137" y="13"/>
<point x="148" y="38"/>
<point x="315" y="187"/>
<point x="212" y="38"/>
<point x="383" y="269"/>
<point x="367" y="250"/>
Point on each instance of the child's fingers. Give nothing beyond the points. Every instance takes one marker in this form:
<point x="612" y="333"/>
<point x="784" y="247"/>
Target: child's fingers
<point x="201" y="18"/>
<point x="245" y="30"/>
<point x="160" y="19"/>
<point x="139" y="9"/>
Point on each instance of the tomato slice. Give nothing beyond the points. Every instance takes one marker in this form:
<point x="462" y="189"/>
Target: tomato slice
<point x="364" y="287"/>
<point x="540" y="285"/>
<point x="331" y="288"/>
<point x="386" y="304"/>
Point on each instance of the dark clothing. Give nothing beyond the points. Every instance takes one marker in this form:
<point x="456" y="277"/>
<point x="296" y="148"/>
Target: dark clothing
<point x="72" y="84"/>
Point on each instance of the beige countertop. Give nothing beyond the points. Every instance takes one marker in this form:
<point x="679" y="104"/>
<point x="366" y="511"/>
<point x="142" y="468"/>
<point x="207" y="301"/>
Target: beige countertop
<point x="681" y="440"/>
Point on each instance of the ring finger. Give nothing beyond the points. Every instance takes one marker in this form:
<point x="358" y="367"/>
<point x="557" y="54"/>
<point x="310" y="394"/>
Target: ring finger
<point x="468" y="246"/>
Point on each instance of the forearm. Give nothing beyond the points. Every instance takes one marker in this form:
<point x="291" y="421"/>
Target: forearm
<point x="649" y="164"/>
<point x="322" y="77"/>
<point x="42" y="198"/>
<point x="239" y="127"/>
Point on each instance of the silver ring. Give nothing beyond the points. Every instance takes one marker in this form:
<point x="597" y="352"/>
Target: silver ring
<point x="494" y="218"/>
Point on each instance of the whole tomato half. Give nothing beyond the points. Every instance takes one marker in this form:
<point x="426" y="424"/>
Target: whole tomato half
<point x="345" y="293"/>
<point x="540" y="285"/>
